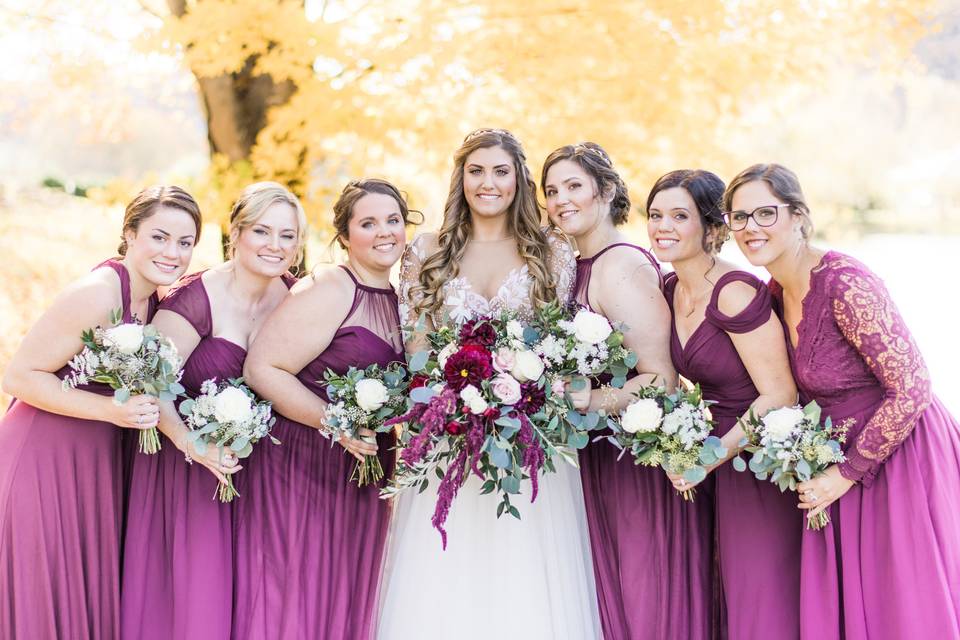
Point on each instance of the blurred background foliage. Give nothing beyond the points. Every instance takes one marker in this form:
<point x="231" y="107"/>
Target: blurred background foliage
<point x="101" y="98"/>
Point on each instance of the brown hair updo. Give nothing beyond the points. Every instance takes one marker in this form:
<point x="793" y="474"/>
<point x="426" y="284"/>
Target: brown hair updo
<point x="597" y="164"/>
<point x="146" y="203"/>
<point x="356" y="189"/>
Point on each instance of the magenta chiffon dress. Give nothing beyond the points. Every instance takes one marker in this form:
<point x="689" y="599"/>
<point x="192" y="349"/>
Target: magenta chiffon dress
<point x="758" y="526"/>
<point x="178" y="551"/>
<point x="888" y="565"/>
<point x="309" y="542"/>
<point x="652" y="551"/>
<point x="61" y="502"/>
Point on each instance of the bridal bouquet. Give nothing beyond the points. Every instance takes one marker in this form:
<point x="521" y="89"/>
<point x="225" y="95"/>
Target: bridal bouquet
<point x="227" y="414"/>
<point x="671" y="431"/>
<point x="483" y="401"/>
<point x="131" y="359"/>
<point x="790" y="445"/>
<point x="365" y="398"/>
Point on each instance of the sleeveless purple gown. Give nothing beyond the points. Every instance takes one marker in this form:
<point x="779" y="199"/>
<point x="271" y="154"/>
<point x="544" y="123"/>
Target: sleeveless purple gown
<point x="61" y="513"/>
<point x="888" y="565"/>
<point x="309" y="543"/>
<point x="652" y="551"/>
<point x="758" y="527"/>
<point x="178" y="550"/>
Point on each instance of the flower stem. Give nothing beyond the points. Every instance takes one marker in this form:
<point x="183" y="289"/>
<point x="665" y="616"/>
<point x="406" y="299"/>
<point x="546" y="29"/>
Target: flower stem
<point x="818" y="521"/>
<point x="149" y="441"/>
<point x="227" y="492"/>
<point x="367" y="471"/>
<point x="688" y="494"/>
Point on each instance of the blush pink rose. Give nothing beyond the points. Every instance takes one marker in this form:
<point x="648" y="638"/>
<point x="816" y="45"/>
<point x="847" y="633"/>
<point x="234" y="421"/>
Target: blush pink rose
<point x="506" y="388"/>
<point x="504" y="360"/>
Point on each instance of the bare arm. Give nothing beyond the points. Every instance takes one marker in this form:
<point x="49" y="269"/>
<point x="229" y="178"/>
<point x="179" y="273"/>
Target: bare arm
<point x="299" y="330"/>
<point x="55" y="339"/>
<point x="628" y="292"/>
<point x="763" y="352"/>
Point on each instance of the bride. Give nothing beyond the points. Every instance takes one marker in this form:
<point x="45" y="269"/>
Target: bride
<point x="530" y="578"/>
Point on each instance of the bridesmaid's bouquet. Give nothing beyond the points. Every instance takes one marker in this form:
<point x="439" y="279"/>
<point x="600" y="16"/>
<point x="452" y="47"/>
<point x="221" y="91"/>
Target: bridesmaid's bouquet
<point x="671" y="431"/>
<point x="131" y="359"/>
<point x="227" y="414"/>
<point x="577" y="343"/>
<point x="791" y="445"/>
<point x="482" y="401"/>
<point x="365" y="398"/>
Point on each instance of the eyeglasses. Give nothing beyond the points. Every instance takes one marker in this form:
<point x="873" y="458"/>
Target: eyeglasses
<point x="765" y="216"/>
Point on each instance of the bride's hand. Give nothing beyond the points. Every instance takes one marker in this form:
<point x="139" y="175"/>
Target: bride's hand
<point x="366" y="445"/>
<point x="580" y="397"/>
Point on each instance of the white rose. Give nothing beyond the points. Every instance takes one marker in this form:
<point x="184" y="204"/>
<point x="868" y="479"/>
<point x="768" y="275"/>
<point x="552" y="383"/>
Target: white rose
<point x="125" y="337"/>
<point x="643" y="415"/>
<point x="515" y="330"/>
<point x="527" y="366"/>
<point x="371" y="394"/>
<point x="591" y="327"/>
<point x="473" y="400"/>
<point x="445" y="353"/>
<point x="232" y="405"/>
<point x="672" y="423"/>
<point x="780" y="423"/>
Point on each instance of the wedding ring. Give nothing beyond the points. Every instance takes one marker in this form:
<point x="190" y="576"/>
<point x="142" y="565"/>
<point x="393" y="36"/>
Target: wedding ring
<point x="813" y="497"/>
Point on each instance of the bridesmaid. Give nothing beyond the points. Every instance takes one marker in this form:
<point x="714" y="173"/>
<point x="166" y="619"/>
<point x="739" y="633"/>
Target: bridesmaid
<point x="309" y="541"/>
<point x="61" y="475"/>
<point x="726" y="337"/>
<point x="178" y="555"/>
<point x="888" y="565"/>
<point x="652" y="552"/>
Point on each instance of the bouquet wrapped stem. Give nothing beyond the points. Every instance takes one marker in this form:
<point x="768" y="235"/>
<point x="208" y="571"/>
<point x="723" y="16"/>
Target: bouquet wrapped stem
<point x="131" y="359"/>
<point x="365" y="399"/>
<point x="227" y="414"/>
<point x="791" y="445"/>
<point x="369" y="470"/>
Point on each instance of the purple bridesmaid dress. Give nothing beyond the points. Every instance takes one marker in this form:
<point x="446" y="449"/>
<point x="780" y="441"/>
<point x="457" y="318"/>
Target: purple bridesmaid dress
<point x="178" y="549"/>
<point x="758" y="527"/>
<point x="888" y="565"/>
<point x="309" y="542"/>
<point x="61" y="502"/>
<point x="652" y="551"/>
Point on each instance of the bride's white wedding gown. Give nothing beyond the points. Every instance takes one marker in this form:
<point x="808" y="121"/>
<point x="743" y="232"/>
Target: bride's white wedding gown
<point x="530" y="578"/>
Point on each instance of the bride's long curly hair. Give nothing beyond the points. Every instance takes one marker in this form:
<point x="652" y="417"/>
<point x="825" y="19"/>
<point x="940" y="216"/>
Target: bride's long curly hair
<point x="523" y="223"/>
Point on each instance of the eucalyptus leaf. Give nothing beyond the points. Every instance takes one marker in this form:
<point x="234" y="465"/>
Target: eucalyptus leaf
<point x="510" y="484"/>
<point x="419" y="360"/>
<point x="695" y="474"/>
<point x="739" y="464"/>
<point x="422" y="395"/>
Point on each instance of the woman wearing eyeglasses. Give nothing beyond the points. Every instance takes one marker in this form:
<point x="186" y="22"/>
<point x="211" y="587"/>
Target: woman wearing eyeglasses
<point x="726" y="338"/>
<point x="888" y="565"/>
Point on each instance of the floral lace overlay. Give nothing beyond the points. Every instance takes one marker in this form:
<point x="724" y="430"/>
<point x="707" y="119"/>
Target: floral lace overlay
<point x="853" y="343"/>
<point x="461" y="302"/>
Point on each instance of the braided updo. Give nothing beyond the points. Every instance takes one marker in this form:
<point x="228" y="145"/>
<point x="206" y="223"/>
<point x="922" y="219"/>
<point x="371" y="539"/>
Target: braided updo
<point x="595" y="161"/>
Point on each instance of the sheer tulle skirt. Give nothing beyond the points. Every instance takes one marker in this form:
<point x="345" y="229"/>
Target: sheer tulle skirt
<point x="60" y="520"/>
<point x="529" y="578"/>
<point x="309" y="543"/>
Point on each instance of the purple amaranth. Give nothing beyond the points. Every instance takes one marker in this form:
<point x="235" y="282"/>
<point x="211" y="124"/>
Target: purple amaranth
<point x="533" y="454"/>
<point x="449" y="486"/>
<point x="433" y="418"/>
<point x="473" y="442"/>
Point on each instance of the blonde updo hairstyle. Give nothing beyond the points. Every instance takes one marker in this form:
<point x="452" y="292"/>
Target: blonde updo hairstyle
<point x="146" y="203"/>
<point x="257" y="198"/>
<point x="523" y="224"/>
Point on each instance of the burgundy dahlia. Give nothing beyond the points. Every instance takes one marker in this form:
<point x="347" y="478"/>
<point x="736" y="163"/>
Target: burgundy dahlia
<point x="478" y="332"/>
<point x="532" y="398"/>
<point x="471" y="365"/>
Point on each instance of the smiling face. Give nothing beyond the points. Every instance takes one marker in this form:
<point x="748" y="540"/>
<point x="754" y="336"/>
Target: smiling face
<point x="161" y="246"/>
<point x="573" y="202"/>
<point x="763" y="245"/>
<point x="674" y="225"/>
<point x="376" y="235"/>
<point x="269" y="246"/>
<point x="489" y="181"/>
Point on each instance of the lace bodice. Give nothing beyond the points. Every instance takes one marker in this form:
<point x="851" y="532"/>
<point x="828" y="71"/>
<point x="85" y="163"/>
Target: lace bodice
<point x="856" y="358"/>
<point x="462" y="302"/>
